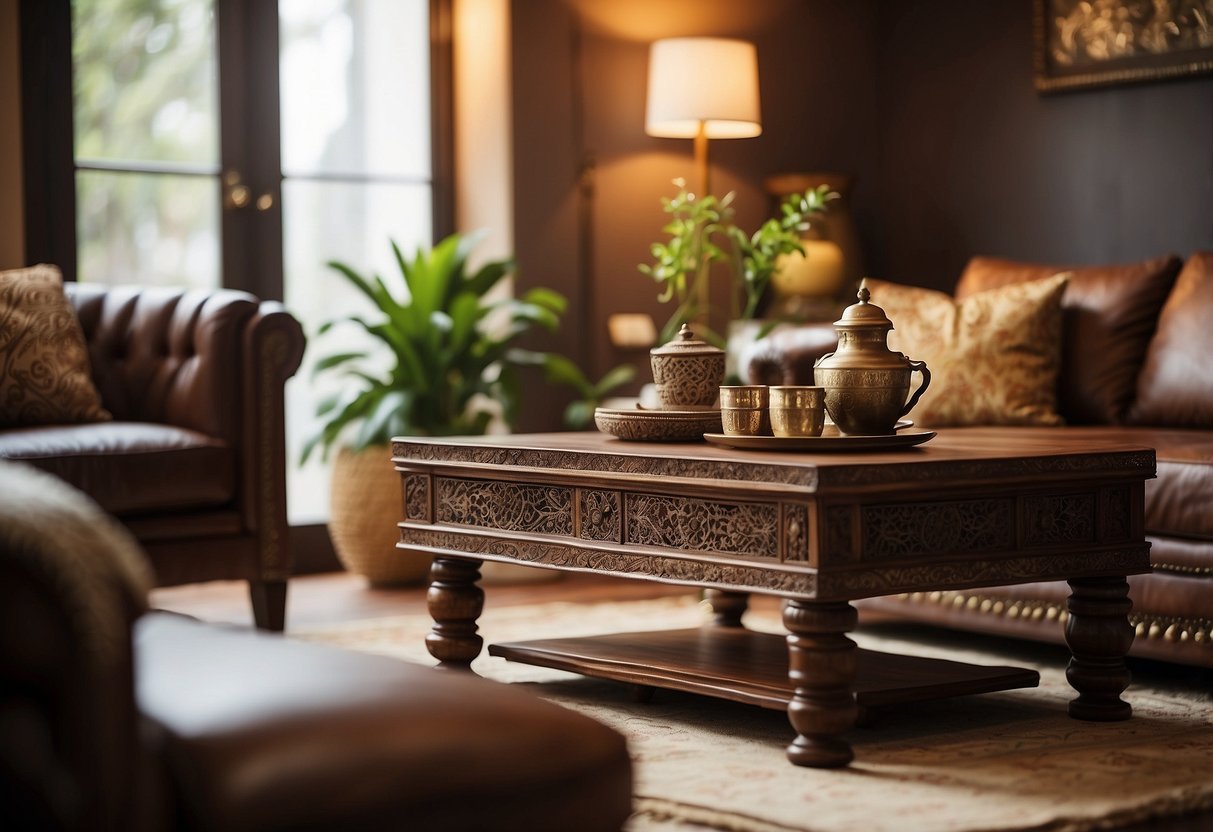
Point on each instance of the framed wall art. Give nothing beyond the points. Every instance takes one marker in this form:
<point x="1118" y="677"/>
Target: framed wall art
<point x="1091" y="43"/>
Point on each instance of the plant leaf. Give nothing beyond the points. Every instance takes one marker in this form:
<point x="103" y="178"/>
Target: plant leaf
<point x="561" y="370"/>
<point x="579" y="414"/>
<point x="615" y="377"/>
<point x="488" y="276"/>
<point x="330" y="361"/>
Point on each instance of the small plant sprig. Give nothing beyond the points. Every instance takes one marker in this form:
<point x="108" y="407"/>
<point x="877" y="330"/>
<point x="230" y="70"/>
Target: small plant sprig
<point x="579" y="414"/>
<point x="756" y="258"/>
<point x="682" y="264"/>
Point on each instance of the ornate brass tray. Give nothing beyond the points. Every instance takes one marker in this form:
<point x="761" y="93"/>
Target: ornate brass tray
<point x="830" y="440"/>
<point x="658" y="425"/>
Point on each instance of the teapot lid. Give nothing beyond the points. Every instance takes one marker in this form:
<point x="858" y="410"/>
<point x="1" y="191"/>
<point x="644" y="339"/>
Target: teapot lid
<point x="685" y="343"/>
<point x="864" y="314"/>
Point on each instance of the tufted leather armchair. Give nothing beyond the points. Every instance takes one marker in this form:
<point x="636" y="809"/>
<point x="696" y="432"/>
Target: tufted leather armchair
<point x="194" y="462"/>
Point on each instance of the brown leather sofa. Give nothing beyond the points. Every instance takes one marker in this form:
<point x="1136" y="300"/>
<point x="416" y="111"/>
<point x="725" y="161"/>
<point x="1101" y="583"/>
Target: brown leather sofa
<point x="1137" y="367"/>
<point x="194" y="461"/>
<point x="116" y="719"/>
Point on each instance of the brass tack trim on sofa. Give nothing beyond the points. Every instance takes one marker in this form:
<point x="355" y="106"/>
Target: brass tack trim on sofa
<point x="1167" y="628"/>
<point x="1186" y="570"/>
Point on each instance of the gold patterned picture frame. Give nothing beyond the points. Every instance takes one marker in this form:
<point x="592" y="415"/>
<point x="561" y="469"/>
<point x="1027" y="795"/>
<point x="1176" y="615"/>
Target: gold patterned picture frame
<point x="1095" y="43"/>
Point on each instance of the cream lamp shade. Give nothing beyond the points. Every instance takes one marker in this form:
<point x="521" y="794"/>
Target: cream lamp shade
<point x="703" y="83"/>
<point x="702" y="88"/>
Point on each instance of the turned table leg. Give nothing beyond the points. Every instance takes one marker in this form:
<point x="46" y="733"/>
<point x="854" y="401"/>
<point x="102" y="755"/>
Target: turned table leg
<point x="1099" y="636"/>
<point x="455" y="602"/>
<point x="821" y="668"/>
<point x="727" y="607"/>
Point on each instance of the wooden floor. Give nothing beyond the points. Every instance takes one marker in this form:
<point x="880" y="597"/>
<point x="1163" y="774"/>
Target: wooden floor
<point x="338" y="597"/>
<point x="341" y="597"/>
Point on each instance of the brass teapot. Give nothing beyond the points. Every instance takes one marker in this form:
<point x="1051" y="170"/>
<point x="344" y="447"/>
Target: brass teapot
<point x="865" y="382"/>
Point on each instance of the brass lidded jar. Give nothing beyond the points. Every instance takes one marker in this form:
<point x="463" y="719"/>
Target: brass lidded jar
<point x="865" y="382"/>
<point x="687" y="371"/>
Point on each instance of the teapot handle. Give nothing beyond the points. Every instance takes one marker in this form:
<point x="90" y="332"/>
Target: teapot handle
<point x="922" y="388"/>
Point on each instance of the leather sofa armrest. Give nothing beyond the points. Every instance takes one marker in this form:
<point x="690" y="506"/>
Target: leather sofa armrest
<point x="273" y="348"/>
<point x="72" y="584"/>
<point x="787" y="356"/>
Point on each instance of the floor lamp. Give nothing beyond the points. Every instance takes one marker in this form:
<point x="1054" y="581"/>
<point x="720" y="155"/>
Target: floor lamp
<point x="703" y="88"/>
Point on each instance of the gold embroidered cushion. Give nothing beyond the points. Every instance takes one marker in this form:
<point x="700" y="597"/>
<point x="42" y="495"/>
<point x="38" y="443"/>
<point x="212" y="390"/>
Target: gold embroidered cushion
<point x="44" y="370"/>
<point x="994" y="356"/>
<point x="1109" y="314"/>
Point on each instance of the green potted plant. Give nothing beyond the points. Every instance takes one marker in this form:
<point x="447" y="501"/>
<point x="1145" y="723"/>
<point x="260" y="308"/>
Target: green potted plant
<point x="703" y="231"/>
<point x="453" y="367"/>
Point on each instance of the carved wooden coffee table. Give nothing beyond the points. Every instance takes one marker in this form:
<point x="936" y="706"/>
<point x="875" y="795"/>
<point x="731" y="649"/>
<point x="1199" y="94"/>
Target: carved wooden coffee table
<point x="970" y="508"/>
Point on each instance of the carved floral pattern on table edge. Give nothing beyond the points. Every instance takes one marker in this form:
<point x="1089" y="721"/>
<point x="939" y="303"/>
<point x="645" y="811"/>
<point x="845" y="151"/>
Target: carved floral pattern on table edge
<point x="684" y="523"/>
<point x="906" y="530"/>
<point x="625" y="563"/>
<point x="1058" y="519"/>
<point x="741" y="470"/>
<point x="1114" y="510"/>
<point x="417" y="498"/>
<point x="508" y="506"/>
<point x="886" y="580"/>
<point x="795" y="532"/>
<point x="839" y="538"/>
<point x="695" y="525"/>
<point x="1090" y="466"/>
<point x="600" y="515"/>
<point x="811" y="477"/>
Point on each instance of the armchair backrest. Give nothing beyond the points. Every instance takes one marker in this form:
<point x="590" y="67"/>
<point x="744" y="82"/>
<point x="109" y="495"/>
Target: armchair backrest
<point x="166" y="355"/>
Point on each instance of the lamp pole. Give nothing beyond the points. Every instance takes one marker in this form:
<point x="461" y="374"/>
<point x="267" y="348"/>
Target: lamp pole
<point x="702" y="177"/>
<point x="703" y="280"/>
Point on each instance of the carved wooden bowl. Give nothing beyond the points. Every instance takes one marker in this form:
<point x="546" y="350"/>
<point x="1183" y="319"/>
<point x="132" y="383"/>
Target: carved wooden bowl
<point x="658" y="425"/>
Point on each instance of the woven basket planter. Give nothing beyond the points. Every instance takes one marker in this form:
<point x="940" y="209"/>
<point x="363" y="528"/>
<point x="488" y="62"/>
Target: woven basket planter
<point x="365" y="508"/>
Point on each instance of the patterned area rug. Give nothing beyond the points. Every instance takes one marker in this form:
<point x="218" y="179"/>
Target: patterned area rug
<point x="1004" y="761"/>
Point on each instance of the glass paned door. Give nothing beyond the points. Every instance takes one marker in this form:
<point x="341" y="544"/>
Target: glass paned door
<point x="181" y="177"/>
<point x="355" y="96"/>
<point x="146" y="122"/>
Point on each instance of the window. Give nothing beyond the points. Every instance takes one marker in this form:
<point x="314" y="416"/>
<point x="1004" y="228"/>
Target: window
<point x="238" y="143"/>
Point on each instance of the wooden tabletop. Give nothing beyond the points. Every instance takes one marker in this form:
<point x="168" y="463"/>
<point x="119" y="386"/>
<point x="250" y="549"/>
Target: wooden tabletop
<point x="961" y="452"/>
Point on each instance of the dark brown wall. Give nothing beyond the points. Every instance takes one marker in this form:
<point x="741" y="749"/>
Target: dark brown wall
<point x="579" y="94"/>
<point x="976" y="162"/>
<point x="930" y="104"/>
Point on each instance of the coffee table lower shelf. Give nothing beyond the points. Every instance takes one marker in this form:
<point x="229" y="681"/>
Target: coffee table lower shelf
<point x="746" y="666"/>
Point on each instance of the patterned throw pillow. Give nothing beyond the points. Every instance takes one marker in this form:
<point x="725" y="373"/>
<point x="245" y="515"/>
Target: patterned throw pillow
<point x="1108" y="315"/>
<point x="44" y="370"/>
<point x="993" y="356"/>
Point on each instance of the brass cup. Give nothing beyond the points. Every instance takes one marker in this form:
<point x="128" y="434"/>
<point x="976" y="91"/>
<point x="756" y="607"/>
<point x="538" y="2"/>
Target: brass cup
<point x="744" y="396"/>
<point x="745" y="421"/>
<point x="743" y="410"/>
<point x="797" y="410"/>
